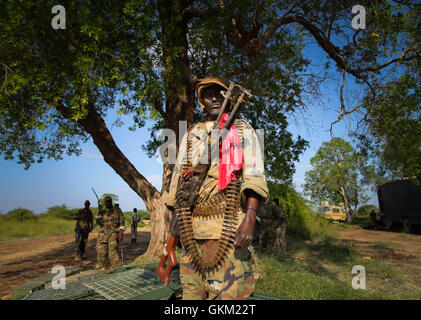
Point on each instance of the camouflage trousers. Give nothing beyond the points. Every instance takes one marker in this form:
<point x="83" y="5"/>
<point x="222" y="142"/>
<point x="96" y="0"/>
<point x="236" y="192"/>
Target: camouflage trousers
<point x="133" y="232"/>
<point x="281" y="236"/>
<point x="81" y="241"/>
<point x="107" y="248"/>
<point x="233" y="281"/>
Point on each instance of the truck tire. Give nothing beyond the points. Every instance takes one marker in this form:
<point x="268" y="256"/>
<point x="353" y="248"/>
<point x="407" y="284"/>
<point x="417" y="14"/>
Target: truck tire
<point x="407" y="228"/>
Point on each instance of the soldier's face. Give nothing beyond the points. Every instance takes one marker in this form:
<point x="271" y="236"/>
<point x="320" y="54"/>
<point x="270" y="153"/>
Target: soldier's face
<point x="213" y="99"/>
<point x="87" y="204"/>
<point x="108" y="203"/>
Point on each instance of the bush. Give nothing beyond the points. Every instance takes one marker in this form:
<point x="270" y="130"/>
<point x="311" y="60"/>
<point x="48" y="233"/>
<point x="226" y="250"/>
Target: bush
<point x="61" y="212"/>
<point x="21" y="214"/>
<point x="143" y="215"/>
<point x="361" y="216"/>
<point x="302" y="222"/>
<point x="364" y="211"/>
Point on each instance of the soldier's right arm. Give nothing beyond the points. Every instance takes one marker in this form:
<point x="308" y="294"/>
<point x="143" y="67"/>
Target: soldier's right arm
<point x="77" y="215"/>
<point x="171" y="197"/>
<point x="99" y="215"/>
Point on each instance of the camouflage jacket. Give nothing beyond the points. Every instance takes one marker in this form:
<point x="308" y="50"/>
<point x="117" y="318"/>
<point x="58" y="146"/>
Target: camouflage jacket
<point x="135" y="218"/>
<point x="252" y="175"/>
<point x="84" y="221"/>
<point x="270" y="211"/>
<point x="109" y="220"/>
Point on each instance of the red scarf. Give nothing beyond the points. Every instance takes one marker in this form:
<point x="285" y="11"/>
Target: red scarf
<point x="230" y="155"/>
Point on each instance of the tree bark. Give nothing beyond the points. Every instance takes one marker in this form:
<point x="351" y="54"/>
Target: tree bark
<point x="96" y="127"/>
<point x="344" y="195"/>
<point x="179" y="106"/>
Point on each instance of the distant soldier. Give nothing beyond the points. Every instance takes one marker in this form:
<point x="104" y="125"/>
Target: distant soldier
<point x="109" y="222"/>
<point x="84" y="225"/>
<point x="281" y="229"/>
<point x="122" y="222"/>
<point x="135" y="221"/>
<point x="269" y="215"/>
<point x="373" y="219"/>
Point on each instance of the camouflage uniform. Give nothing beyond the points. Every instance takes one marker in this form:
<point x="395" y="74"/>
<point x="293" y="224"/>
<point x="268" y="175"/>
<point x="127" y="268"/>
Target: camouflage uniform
<point x="84" y="225"/>
<point x="270" y="226"/>
<point x="281" y="230"/>
<point x="135" y="221"/>
<point x="122" y="219"/>
<point x="234" y="280"/>
<point x="109" y="221"/>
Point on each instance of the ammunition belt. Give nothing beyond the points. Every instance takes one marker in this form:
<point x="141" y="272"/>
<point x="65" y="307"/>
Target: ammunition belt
<point x="216" y="205"/>
<point x="226" y="202"/>
<point x="225" y="243"/>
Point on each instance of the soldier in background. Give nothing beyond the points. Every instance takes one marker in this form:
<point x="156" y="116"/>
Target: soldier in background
<point x="109" y="222"/>
<point x="84" y="225"/>
<point x="122" y="222"/>
<point x="281" y="229"/>
<point x="135" y="221"/>
<point x="269" y="214"/>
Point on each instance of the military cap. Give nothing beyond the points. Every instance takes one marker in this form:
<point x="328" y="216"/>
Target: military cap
<point x="207" y="82"/>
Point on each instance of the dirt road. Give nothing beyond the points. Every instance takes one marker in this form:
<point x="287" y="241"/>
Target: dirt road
<point x="24" y="260"/>
<point x="390" y="245"/>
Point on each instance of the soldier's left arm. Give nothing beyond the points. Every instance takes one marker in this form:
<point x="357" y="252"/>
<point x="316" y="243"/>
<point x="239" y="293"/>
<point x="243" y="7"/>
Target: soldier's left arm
<point x="246" y="230"/>
<point x="122" y="221"/>
<point x="91" y="220"/>
<point x="253" y="167"/>
<point x="254" y="188"/>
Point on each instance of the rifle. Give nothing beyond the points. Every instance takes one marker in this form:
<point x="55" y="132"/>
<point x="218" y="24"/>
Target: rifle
<point x="96" y="196"/>
<point x="188" y="188"/>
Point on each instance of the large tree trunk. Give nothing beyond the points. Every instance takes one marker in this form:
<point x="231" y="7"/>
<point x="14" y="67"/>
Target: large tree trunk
<point x="179" y="92"/>
<point x="344" y="194"/>
<point x="96" y="127"/>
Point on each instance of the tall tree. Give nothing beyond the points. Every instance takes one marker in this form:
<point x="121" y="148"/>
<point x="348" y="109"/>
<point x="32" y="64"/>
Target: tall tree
<point x="336" y="175"/>
<point x="145" y="56"/>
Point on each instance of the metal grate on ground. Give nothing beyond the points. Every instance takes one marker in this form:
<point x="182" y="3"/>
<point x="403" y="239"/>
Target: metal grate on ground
<point x="74" y="290"/>
<point x="139" y="284"/>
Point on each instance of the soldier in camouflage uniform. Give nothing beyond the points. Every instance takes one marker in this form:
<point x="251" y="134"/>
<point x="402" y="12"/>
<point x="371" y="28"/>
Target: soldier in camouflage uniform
<point x="234" y="278"/>
<point x="84" y="225"/>
<point x="135" y="221"/>
<point x="281" y="229"/>
<point x="109" y="222"/>
<point x="122" y="222"/>
<point x="270" y="215"/>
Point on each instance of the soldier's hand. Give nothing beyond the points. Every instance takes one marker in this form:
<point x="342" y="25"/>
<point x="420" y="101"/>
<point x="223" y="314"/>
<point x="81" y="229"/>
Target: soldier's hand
<point x="245" y="231"/>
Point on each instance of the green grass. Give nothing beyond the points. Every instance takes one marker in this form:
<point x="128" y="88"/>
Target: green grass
<point x="43" y="226"/>
<point x="322" y="270"/>
<point x="21" y="223"/>
<point x="387" y="244"/>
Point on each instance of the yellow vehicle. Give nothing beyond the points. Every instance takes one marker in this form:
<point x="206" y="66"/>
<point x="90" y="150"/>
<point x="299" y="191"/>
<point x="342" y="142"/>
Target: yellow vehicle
<point x="333" y="212"/>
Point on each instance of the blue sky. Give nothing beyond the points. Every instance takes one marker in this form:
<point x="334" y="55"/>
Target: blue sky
<point x="69" y="181"/>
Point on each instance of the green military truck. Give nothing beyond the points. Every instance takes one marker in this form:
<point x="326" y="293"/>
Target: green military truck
<point x="400" y="204"/>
